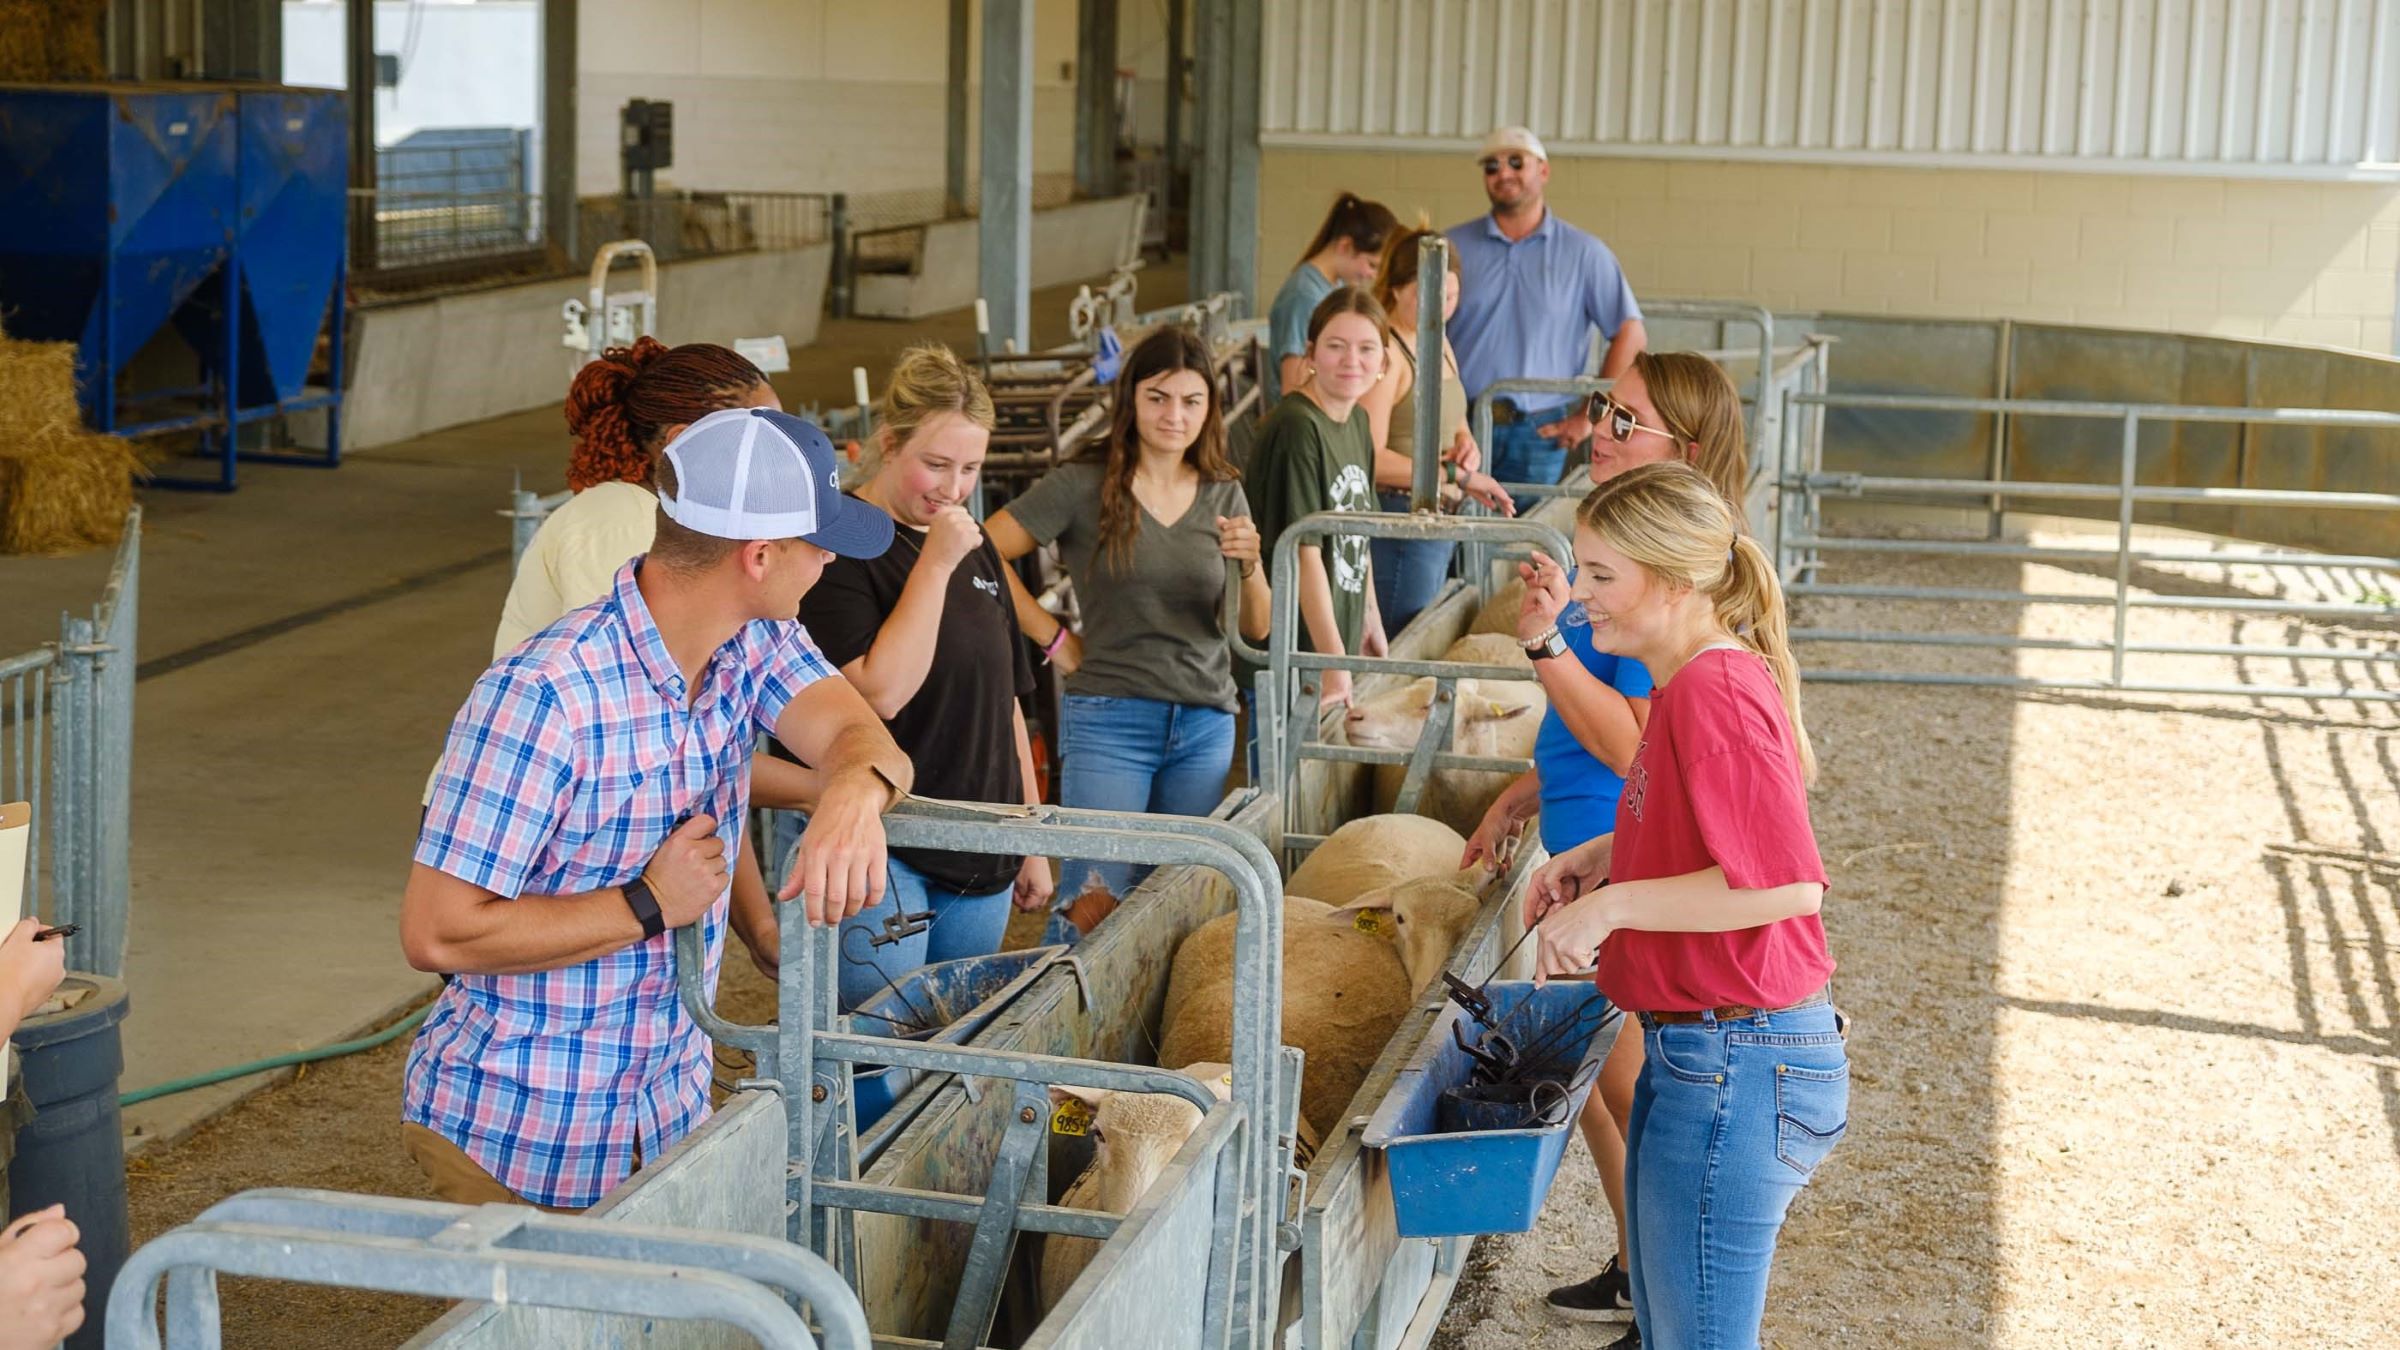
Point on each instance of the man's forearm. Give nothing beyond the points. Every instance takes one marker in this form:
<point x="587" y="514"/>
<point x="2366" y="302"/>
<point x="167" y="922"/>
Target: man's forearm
<point x="866" y="750"/>
<point x="1628" y="343"/>
<point x="498" y="936"/>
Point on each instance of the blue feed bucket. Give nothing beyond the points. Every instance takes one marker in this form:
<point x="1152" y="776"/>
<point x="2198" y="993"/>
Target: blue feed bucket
<point x="1463" y="1163"/>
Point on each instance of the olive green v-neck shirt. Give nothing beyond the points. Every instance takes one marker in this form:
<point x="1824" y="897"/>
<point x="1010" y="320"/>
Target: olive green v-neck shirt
<point x="1151" y="627"/>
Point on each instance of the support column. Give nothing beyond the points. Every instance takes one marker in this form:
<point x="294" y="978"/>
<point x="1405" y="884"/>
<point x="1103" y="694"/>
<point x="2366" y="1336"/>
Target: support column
<point x="1006" y="230"/>
<point x="1178" y="19"/>
<point x="954" y="120"/>
<point x="1224" y="217"/>
<point x="358" y="36"/>
<point x="1096" y="98"/>
<point x="561" y="220"/>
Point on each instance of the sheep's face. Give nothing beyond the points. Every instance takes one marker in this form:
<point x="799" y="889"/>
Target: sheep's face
<point x="1394" y="718"/>
<point x="1135" y="1134"/>
<point x="1429" y="916"/>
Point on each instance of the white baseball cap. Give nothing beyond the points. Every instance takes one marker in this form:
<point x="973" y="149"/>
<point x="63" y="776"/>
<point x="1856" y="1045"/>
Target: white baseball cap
<point x="758" y="473"/>
<point x="1501" y="140"/>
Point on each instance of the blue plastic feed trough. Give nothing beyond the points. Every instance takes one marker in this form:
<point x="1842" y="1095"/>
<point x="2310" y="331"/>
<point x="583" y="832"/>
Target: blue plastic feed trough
<point x="1451" y="1183"/>
<point x="944" y="1003"/>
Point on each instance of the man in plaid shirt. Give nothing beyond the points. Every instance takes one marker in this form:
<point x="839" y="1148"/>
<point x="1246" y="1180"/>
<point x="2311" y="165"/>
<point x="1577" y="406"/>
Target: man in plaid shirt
<point x="587" y="801"/>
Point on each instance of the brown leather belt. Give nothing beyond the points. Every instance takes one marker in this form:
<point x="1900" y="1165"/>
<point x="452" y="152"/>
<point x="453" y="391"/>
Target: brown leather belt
<point x="1732" y="1012"/>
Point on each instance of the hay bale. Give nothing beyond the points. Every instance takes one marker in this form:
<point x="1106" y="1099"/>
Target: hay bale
<point x="51" y="41"/>
<point x="37" y="392"/>
<point x="67" y="490"/>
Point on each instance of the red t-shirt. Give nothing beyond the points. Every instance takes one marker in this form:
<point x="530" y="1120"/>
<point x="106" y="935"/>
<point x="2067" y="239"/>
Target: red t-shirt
<point x="1716" y="781"/>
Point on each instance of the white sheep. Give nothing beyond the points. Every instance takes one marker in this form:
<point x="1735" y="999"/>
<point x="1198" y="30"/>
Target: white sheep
<point x="1374" y="851"/>
<point x="1135" y="1135"/>
<point x="1349" y="975"/>
<point x="1491" y="717"/>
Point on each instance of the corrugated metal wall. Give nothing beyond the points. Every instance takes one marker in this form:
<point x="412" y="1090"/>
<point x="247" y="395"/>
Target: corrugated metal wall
<point x="2284" y="88"/>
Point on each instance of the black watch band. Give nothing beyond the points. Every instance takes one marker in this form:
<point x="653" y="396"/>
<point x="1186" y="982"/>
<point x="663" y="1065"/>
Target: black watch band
<point x="645" y="907"/>
<point x="1548" y="645"/>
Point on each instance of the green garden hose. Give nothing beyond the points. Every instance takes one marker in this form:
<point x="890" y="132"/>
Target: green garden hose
<point x="334" y="1051"/>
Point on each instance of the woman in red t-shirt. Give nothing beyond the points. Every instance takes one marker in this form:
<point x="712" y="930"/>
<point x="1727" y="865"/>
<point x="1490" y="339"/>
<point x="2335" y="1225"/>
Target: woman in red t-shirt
<point x="1707" y="928"/>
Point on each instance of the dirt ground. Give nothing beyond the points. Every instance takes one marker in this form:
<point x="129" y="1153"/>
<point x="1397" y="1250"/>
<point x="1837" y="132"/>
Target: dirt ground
<point x="2126" y="980"/>
<point x="2126" y="1052"/>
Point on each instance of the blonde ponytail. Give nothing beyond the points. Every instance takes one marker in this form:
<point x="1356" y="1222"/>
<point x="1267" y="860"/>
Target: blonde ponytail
<point x="1669" y="518"/>
<point x="1750" y="602"/>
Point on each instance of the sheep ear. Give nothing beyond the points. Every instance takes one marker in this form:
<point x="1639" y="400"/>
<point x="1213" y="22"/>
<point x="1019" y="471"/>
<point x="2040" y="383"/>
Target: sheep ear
<point x="1473" y="879"/>
<point x="1061" y="1093"/>
<point x="1218" y="1077"/>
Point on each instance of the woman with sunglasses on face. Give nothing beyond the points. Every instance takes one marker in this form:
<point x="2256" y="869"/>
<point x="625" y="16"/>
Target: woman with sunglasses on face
<point x="1409" y="572"/>
<point x="1343" y="252"/>
<point x="1707" y="930"/>
<point x="1667" y="406"/>
<point x="1146" y="521"/>
<point x="1315" y="453"/>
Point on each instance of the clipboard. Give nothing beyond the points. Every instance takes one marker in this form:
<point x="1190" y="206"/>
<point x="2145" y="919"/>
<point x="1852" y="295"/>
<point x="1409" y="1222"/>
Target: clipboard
<point x="16" y="839"/>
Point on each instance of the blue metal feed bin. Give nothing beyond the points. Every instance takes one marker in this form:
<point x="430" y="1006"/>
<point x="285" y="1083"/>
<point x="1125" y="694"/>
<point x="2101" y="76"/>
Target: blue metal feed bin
<point x="116" y="208"/>
<point x="126" y="207"/>
<point x="1481" y="1181"/>
<point x="958" y="998"/>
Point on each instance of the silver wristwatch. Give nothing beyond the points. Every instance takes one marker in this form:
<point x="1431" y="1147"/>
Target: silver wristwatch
<point x="1549" y="644"/>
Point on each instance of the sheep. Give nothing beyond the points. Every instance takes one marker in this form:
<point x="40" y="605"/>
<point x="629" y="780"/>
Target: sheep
<point x="1374" y="851"/>
<point x="1499" y="614"/>
<point x="1345" y="988"/>
<point x="1491" y="717"/>
<point x="1135" y="1135"/>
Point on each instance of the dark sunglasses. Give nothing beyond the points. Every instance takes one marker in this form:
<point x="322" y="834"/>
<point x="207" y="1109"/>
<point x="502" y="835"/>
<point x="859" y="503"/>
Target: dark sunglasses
<point x="1492" y="165"/>
<point x="1619" y="421"/>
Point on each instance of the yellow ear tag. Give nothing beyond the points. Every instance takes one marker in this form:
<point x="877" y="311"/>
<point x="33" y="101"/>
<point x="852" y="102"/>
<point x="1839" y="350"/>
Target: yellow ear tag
<point x="1073" y="1116"/>
<point x="1374" y="921"/>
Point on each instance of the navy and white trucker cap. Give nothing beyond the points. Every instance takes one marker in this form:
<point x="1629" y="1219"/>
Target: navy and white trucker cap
<point x="756" y="473"/>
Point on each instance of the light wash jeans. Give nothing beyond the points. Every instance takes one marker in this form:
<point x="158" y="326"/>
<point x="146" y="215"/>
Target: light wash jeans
<point x="963" y="925"/>
<point x="1135" y="754"/>
<point x="1408" y="572"/>
<point x="1729" y="1121"/>
<point x="1521" y="454"/>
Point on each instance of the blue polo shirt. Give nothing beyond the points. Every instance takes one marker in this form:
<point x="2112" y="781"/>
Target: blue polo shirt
<point x="1579" y="793"/>
<point x="1526" y="309"/>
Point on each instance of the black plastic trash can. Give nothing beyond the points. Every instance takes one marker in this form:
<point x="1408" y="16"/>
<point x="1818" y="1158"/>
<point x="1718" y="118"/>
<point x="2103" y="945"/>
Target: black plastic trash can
<point x="73" y="1153"/>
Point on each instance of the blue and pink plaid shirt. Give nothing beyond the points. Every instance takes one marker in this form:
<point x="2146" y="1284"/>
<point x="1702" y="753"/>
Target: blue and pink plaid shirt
<point x="574" y="758"/>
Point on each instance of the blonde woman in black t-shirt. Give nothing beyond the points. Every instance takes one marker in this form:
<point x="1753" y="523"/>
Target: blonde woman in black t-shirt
<point x="1145" y="521"/>
<point x="927" y="634"/>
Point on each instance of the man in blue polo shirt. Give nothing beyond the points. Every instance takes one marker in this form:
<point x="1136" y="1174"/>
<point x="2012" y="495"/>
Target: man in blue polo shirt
<point x="1534" y="289"/>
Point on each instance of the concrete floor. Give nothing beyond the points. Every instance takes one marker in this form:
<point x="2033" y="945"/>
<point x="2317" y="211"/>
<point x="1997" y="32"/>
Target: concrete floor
<point x="304" y="644"/>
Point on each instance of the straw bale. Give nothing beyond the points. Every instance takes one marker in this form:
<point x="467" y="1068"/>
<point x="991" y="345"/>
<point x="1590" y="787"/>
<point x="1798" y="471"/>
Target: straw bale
<point x="68" y="491"/>
<point x="37" y="392"/>
<point x="51" y="40"/>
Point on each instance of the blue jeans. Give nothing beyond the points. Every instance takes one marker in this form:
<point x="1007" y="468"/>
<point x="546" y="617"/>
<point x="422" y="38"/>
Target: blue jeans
<point x="1135" y="754"/>
<point x="1521" y="454"/>
<point x="1729" y="1121"/>
<point x="963" y="926"/>
<point x="1408" y="572"/>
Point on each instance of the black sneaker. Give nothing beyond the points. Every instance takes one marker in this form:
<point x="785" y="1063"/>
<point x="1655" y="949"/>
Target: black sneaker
<point x="1631" y="1340"/>
<point x="1606" y="1297"/>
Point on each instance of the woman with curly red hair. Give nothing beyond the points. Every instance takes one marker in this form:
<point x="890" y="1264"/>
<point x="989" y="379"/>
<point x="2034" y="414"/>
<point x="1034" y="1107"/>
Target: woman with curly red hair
<point x="621" y="409"/>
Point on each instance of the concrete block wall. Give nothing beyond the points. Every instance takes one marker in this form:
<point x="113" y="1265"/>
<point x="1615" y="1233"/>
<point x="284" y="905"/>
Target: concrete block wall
<point x="2301" y="262"/>
<point x="800" y="95"/>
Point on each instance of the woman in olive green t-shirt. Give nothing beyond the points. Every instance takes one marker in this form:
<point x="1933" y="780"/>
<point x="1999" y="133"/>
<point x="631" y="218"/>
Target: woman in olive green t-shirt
<point x="1316" y="453"/>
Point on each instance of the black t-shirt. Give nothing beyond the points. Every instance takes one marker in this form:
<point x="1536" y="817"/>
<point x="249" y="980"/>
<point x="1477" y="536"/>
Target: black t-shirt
<point x="960" y="729"/>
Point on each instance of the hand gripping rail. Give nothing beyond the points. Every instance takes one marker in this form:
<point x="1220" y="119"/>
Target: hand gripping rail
<point x="804" y="1048"/>
<point x="1280" y="705"/>
<point x="507" y="1254"/>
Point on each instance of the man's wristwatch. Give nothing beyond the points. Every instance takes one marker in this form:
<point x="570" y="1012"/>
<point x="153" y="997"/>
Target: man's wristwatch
<point x="1549" y="644"/>
<point x="644" y="906"/>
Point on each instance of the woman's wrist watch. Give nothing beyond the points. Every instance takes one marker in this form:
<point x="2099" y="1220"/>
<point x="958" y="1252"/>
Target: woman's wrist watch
<point x="1549" y="644"/>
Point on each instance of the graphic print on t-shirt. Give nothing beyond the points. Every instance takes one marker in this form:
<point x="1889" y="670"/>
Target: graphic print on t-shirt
<point x="1637" y="783"/>
<point x="1350" y="491"/>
